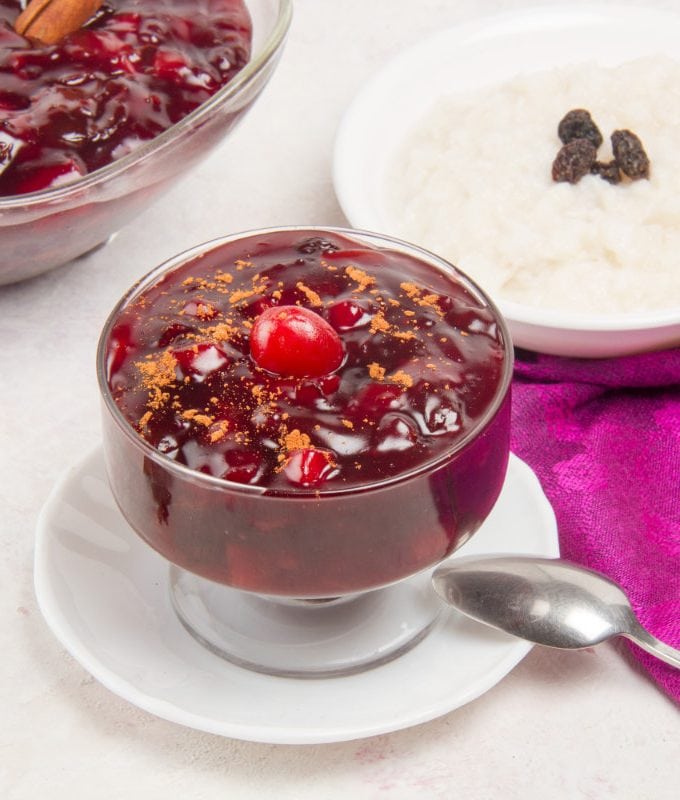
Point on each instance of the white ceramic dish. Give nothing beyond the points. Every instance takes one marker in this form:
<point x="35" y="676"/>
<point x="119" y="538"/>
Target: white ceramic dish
<point x="481" y="53"/>
<point x="104" y="593"/>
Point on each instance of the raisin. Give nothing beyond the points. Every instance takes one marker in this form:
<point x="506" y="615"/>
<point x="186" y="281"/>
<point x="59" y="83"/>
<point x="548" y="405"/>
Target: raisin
<point x="630" y="154"/>
<point x="578" y="124"/>
<point x="573" y="161"/>
<point x="608" y="171"/>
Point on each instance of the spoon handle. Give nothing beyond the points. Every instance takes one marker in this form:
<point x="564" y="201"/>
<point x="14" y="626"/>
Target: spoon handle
<point x="652" y="645"/>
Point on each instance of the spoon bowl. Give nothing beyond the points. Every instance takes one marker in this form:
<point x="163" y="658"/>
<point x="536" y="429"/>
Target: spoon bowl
<point x="546" y="601"/>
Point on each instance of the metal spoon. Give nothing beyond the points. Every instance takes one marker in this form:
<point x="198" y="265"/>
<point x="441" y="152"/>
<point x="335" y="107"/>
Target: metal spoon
<point x="546" y="601"/>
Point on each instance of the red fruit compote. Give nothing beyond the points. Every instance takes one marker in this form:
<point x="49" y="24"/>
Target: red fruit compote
<point x="134" y="70"/>
<point x="303" y="412"/>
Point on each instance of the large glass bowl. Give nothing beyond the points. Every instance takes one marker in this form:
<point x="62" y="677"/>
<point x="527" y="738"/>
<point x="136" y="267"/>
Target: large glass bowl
<point x="303" y="548"/>
<point x="43" y="230"/>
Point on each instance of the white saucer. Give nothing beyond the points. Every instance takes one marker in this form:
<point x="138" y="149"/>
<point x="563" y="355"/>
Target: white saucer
<point x="104" y="593"/>
<point x="485" y="52"/>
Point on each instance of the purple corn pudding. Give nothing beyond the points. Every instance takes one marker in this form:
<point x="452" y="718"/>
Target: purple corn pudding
<point x="306" y="413"/>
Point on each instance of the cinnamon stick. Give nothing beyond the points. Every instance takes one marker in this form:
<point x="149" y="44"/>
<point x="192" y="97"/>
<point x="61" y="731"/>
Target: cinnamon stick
<point x="48" y="21"/>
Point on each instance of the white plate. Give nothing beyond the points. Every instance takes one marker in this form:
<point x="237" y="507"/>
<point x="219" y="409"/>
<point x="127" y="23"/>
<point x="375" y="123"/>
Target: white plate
<point x="485" y="52"/>
<point x="104" y="594"/>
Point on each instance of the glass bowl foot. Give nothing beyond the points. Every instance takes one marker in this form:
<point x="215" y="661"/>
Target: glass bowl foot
<point x="305" y="638"/>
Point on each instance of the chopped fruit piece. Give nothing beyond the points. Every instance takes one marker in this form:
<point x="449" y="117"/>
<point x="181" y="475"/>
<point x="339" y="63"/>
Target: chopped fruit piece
<point x="200" y="360"/>
<point x="200" y="310"/>
<point x="9" y="145"/>
<point x="172" y="332"/>
<point x="119" y="345"/>
<point x="48" y="176"/>
<point x="396" y="433"/>
<point x="347" y="315"/>
<point x="375" y="399"/>
<point x="309" y="467"/>
<point x="243" y="467"/>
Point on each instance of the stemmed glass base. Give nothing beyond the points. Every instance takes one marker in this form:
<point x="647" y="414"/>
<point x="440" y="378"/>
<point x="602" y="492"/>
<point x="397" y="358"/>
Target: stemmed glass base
<point x="305" y="638"/>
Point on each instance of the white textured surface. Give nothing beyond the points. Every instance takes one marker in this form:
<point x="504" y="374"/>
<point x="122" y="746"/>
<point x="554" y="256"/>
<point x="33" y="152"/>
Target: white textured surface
<point x="564" y="725"/>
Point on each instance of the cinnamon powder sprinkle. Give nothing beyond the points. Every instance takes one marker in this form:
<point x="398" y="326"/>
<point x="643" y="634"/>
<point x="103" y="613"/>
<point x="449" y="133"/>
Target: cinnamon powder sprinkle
<point x="205" y="311"/>
<point x="221" y="332"/>
<point x="402" y="378"/>
<point x="415" y="293"/>
<point x="379" y="323"/>
<point x="240" y="295"/>
<point x="158" y="372"/>
<point x="219" y="430"/>
<point x="144" y="421"/>
<point x="310" y="294"/>
<point x="195" y="415"/>
<point x="294" y="440"/>
<point x="362" y="278"/>
<point x="376" y="372"/>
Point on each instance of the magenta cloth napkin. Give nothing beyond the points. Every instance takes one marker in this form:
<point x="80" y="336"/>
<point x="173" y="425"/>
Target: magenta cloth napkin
<point x="603" y="436"/>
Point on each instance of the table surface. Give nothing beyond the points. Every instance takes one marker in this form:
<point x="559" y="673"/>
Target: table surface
<point x="581" y="725"/>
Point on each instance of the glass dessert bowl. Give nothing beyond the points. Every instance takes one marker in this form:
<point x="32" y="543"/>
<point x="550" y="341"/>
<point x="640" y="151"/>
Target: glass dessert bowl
<point x="94" y="128"/>
<point x="303" y="422"/>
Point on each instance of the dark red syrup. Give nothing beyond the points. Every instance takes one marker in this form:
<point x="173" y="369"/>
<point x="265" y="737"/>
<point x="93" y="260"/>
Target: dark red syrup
<point x="404" y="362"/>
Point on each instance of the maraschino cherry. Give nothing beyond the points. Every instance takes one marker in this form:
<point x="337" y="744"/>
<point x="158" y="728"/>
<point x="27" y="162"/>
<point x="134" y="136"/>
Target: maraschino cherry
<point x="295" y="341"/>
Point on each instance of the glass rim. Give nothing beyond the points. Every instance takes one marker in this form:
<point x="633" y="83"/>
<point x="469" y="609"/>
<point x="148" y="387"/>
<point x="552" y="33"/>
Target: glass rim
<point x="243" y="78"/>
<point x="185" y="472"/>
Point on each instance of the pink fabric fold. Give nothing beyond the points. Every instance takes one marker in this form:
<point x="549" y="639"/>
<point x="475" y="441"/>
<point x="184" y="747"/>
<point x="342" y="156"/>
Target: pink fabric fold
<point x="603" y="436"/>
